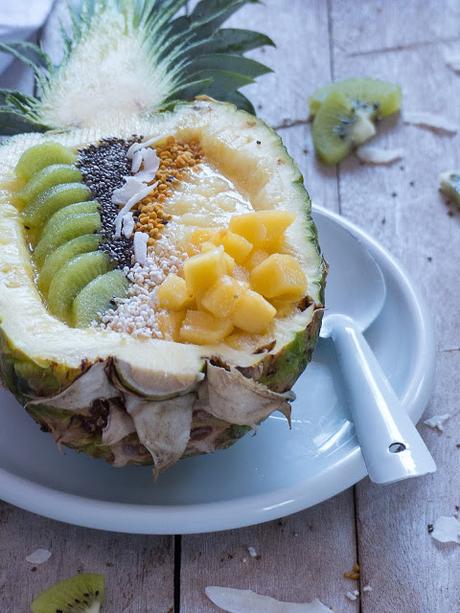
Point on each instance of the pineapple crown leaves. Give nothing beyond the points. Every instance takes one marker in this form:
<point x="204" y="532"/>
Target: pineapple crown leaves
<point x="133" y="56"/>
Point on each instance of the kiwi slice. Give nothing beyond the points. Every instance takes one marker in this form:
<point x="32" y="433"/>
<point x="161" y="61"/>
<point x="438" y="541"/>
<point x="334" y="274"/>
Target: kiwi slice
<point x="378" y="98"/>
<point x="83" y="593"/>
<point x="39" y="156"/>
<point x="338" y="127"/>
<point x="68" y="228"/>
<point x="449" y="184"/>
<point x="97" y="297"/>
<point x="40" y="210"/>
<point x="56" y="260"/>
<point x="77" y="208"/>
<point x="73" y="277"/>
<point x="56" y="174"/>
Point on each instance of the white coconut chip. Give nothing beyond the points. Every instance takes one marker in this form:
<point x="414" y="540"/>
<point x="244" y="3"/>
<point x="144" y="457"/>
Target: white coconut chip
<point x="437" y="422"/>
<point x="146" y="142"/>
<point x="140" y="246"/>
<point x="430" y="120"/>
<point x="128" y="223"/>
<point x="151" y="164"/>
<point x="252" y="552"/>
<point x="130" y="188"/>
<point x="246" y="601"/>
<point x="39" y="556"/>
<point x="377" y="155"/>
<point x="446" y="530"/>
<point x="137" y="197"/>
<point x="453" y="61"/>
<point x="137" y="161"/>
<point x="352" y="595"/>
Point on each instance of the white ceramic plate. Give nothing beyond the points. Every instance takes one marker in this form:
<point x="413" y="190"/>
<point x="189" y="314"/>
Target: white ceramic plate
<point x="260" y="478"/>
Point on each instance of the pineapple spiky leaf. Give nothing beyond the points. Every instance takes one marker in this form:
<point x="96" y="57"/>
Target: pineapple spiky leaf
<point x="156" y="57"/>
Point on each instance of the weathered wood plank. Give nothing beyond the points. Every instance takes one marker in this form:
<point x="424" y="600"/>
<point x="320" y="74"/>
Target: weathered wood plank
<point x="390" y="24"/>
<point x="301" y="557"/>
<point x="139" y="570"/>
<point x="400" y="205"/>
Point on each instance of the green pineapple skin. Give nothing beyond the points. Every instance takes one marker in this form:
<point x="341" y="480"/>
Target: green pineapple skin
<point x="29" y="381"/>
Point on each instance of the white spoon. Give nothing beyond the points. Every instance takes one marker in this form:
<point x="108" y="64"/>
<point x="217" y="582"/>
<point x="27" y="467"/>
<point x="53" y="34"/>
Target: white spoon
<point x="391" y="446"/>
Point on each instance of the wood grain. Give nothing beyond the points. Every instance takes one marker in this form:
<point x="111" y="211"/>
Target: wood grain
<point x="302" y="557"/>
<point x="138" y="569"/>
<point x="401" y="206"/>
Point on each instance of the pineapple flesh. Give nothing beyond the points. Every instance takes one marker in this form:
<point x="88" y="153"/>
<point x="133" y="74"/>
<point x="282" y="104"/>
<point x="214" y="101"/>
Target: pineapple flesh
<point x="129" y="328"/>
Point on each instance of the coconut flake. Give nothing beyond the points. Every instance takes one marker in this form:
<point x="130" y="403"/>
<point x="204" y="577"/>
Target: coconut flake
<point x="39" y="556"/>
<point x="137" y="197"/>
<point x="246" y="601"/>
<point x="151" y="164"/>
<point x="140" y="246"/>
<point x="453" y="61"/>
<point x="378" y="155"/>
<point x="128" y="224"/>
<point x="137" y="161"/>
<point x="130" y="188"/>
<point x="352" y="595"/>
<point x="446" y="530"/>
<point x="149" y="140"/>
<point x="367" y="588"/>
<point x="430" y="120"/>
<point x="252" y="552"/>
<point x="436" y="422"/>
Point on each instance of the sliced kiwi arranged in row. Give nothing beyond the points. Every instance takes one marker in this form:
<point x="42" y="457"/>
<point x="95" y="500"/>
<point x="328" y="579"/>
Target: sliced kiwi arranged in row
<point x="345" y="114"/>
<point x="63" y="225"/>
<point x="83" y="593"/>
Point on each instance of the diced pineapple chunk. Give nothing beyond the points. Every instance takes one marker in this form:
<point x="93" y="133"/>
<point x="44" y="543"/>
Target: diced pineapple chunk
<point x="279" y="276"/>
<point x="173" y="293"/>
<point x="276" y="222"/>
<point x="236" y="246"/>
<point x="256" y="258"/>
<point x="249" y="226"/>
<point x="200" y="236"/>
<point x="203" y="270"/>
<point x="201" y="328"/>
<point x="252" y="313"/>
<point x="221" y="297"/>
<point x="169" y="323"/>
<point x="229" y="263"/>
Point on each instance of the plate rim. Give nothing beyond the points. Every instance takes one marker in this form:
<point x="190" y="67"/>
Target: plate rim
<point x="249" y="510"/>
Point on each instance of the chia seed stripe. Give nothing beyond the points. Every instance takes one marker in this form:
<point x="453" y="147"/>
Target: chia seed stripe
<point x="103" y="167"/>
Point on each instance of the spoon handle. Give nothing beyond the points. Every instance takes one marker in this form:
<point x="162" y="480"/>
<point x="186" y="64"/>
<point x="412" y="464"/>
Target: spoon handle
<point x="390" y="443"/>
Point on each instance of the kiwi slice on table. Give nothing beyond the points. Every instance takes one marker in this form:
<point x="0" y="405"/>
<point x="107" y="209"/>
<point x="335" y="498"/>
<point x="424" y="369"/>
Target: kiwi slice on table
<point x="345" y="113"/>
<point x="73" y="277"/>
<point x="36" y="214"/>
<point x="57" y="259"/>
<point x="70" y="227"/>
<point x="39" y="156"/>
<point x="97" y="297"/>
<point x="380" y="98"/>
<point x="338" y="127"/>
<point x="449" y="184"/>
<point x="48" y="177"/>
<point x="83" y="593"/>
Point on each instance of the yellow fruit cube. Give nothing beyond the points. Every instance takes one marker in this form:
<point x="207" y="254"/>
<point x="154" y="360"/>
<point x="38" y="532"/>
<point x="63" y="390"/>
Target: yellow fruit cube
<point x="276" y="222"/>
<point x="252" y="313"/>
<point x="255" y="258"/>
<point x="236" y="246"/>
<point x="279" y="276"/>
<point x="200" y="236"/>
<point x="201" y="328"/>
<point x="229" y="263"/>
<point x="221" y="297"/>
<point x="249" y="226"/>
<point x="169" y="323"/>
<point x="203" y="270"/>
<point x="173" y="294"/>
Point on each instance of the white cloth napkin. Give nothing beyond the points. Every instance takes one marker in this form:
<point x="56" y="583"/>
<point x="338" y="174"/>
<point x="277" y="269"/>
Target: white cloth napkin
<point x="19" y="20"/>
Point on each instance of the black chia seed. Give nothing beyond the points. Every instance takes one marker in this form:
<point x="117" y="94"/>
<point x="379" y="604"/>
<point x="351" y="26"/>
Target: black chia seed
<point x="103" y="167"/>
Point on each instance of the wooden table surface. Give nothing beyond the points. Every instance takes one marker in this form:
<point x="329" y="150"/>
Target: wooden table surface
<point x="384" y="529"/>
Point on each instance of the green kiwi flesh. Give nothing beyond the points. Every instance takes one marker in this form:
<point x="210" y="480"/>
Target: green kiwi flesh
<point x="83" y="593"/>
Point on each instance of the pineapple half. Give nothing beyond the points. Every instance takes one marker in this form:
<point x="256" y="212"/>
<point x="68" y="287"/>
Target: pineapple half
<point x="144" y="401"/>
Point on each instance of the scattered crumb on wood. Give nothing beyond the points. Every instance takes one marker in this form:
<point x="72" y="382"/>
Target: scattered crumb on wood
<point x="353" y="574"/>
